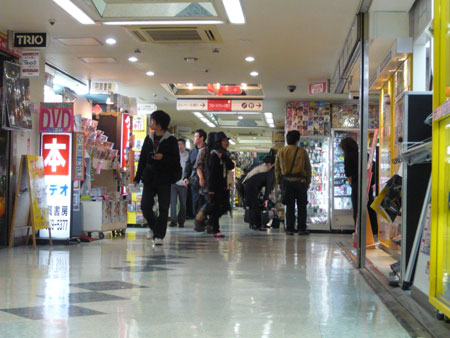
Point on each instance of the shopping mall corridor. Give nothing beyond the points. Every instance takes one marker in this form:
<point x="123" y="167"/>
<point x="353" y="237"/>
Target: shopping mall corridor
<point x="250" y="284"/>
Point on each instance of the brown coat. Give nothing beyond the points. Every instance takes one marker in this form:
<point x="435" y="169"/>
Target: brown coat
<point x="283" y="162"/>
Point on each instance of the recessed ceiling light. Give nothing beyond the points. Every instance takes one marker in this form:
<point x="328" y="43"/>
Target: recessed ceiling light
<point x="249" y="59"/>
<point x="98" y="60"/>
<point x="163" y="22"/>
<point x="75" y="12"/>
<point x="111" y="41"/>
<point x="240" y="117"/>
<point x="150" y="73"/>
<point x="79" y="41"/>
<point x="254" y="73"/>
<point x="133" y="59"/>
<point x="234" y="11"/>
<point x="190" y="59"/>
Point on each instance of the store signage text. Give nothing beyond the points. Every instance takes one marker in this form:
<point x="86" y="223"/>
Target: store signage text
<point x="27" y="40"/>
<point x="146" y="108"/>
<point x="217" y="89"/>
<point x="30" y="63"/>
<point x="56" y="118"/>
<point x="78" y="169"/>
<point x="220" y="105"/>
<point x="57" y="154"/>
<point x="318" y="88"/>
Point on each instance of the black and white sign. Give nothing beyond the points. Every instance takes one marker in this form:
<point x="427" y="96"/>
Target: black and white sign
<point x="247" y="105"/>
<point x="192" y="104"/>
<point x="30" y="40"/>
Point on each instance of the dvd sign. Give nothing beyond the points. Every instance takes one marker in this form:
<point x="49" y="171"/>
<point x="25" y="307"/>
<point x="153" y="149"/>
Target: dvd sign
<point x="56" y="118"/>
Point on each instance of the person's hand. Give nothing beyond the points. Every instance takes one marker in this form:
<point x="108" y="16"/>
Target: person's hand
<point x="266" y="203"/>
<point x="186" y="182"/>
<point x="158" y="156"/>
<point x="202" y="182"/>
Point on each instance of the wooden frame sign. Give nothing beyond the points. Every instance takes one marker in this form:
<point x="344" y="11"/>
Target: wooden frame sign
<point x="30" y="195"/>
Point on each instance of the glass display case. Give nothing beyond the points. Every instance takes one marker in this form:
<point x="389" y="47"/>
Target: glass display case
<point x="318" y="194"/>
<point x="341" y="190"/>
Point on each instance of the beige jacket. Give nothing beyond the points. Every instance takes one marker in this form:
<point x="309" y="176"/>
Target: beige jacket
<point x="283" y="162"/>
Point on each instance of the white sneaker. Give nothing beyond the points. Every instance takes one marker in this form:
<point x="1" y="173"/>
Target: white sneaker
<point x="149" y="234"/>
<point x="157" y="241"/>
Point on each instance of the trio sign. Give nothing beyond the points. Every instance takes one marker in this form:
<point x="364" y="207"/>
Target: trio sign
<point x="30" y="40"/>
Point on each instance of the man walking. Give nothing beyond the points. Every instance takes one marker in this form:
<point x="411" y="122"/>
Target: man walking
<point x="190" y="175"/>
<point x="159" y="167"/>
<point x="179" y="191"/>
<point x="293" y="174"/>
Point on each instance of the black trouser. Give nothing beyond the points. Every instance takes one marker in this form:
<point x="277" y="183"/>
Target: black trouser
<point x="216" y="207"/>
<point x="252" y="200"/>
<point x="198" y="200"/>
<point x="159" y="225"/>
<point x="296" y="193"/>
<point x="372" y="213"/>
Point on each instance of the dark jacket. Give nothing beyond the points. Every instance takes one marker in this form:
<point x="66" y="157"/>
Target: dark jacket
<point x="259" y="180"/>
<point x="351" y="161"/>
<point x="165" y="171"/>
<point x="218" y="170"/>
<point x="190" y="162"/>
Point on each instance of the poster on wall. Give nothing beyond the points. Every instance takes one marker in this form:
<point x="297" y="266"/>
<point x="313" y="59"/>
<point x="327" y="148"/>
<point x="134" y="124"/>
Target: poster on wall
<point x="30" y="63"/>
<point x="57" y="154"/>
<point x="126" y="126"/>
<point x="347" y="116"/>
<point x="310" y="118"/>
<point x="16" y="105"/>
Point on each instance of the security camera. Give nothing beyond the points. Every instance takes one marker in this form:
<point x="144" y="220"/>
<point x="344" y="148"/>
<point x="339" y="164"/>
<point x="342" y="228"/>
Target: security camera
<point x="52" y="21"/>
<point x="292" y="88"/>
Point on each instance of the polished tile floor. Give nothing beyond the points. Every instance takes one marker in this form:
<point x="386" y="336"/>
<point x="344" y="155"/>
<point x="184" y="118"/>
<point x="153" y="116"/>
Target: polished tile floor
<point x="249" y="284"/>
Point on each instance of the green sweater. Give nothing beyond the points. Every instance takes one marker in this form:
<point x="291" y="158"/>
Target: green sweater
<point x="283" y="162"/>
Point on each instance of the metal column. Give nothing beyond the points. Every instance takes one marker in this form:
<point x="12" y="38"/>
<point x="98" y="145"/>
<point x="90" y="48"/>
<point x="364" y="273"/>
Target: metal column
<point x="363" y="137"/>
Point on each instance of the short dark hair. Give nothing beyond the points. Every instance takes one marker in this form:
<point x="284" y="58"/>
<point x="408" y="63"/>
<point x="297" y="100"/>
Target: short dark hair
<point x="348" y="145"/>
<point x="269" y="159"/>
<point x="292" y="137"/>
<point x="161" y="118"/>
<point x="182" y="140"/>
<point x="201" y="133"/>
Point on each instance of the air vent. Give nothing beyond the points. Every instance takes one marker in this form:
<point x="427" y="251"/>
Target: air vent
<point x="151" y="34"/>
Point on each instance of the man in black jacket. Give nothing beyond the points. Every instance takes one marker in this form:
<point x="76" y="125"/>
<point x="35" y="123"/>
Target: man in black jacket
<point x="259" y="177"/>
<point x="159" y="167"/>
<point x="190" y="176"/>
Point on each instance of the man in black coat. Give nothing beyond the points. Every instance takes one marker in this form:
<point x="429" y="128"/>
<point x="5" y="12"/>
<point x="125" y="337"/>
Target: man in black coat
<point x="159" y="167"/>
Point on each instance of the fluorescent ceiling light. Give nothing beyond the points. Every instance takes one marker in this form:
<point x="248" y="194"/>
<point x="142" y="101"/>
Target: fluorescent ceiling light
<point x="249" y="59"/>
<point x="210" y="124"/>
<point x="163" y="22"/>
<point x="240" y="117"/>
<point x="268" y="115"/>
<point x="234" y="11"/>
<point x="133" y="59"/>
<point x="150" y="73"/>
<point x="231" y="141"/>
<point x="204" y="119"/>
<point x="75" y="12"/>
<point x="111" y="41"/>
<point x="271" y="125"/>
<point x="79" y="41"/>
<point x="254" y="73"/>
<point x="270" y="121"/>
<point x="198" y="114"/>
<point x="190" y="86"/>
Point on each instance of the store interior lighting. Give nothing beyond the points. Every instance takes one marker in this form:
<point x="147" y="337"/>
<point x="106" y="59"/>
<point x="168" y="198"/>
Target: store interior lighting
<point x="110" y="98"/>
<point x="133" y="59"/>
<point x="163" y="22"/>
<point x="254" y="73"/>
<point x="234" y="11"/>
<point x="204" y="119"/>
<point x="249" y="59"/>
<point x="75" y="12"/>
<point x="232" y="142"/>
<point x="150" y="73"/>
<point x="269" y="119"/>
<point x="111" y="41"/>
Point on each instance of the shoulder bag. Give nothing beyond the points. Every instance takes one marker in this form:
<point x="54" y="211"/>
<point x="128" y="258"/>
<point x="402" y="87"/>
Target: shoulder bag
<point x="285" y="182"/>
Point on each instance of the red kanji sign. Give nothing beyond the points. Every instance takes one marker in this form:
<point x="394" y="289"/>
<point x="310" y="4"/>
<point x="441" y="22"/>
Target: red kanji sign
<point x="218" y="105"/>
<point x="56" y="154"/>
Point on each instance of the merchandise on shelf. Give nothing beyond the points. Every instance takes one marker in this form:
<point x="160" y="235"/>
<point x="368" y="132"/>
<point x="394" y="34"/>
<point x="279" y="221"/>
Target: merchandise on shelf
<point x="347" y="116"/>
<point x="342" y="190"/>
<point x="310" y="118"/>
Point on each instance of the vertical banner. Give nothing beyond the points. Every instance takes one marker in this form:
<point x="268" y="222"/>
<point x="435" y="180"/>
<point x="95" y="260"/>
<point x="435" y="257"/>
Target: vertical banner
<point x="56" y="149"/>
<point x="126" y="126"/>
<point x="78" y="156"/>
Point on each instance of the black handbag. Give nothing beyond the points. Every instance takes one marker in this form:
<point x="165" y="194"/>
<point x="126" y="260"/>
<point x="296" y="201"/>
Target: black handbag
<point x="284" y="182"/>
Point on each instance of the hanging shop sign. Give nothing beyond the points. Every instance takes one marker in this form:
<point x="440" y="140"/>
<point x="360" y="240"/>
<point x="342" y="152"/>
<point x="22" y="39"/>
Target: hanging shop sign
<point x="220" y="105"/>
<point x="30" y="40"/>
<point x="318" y="87"/>
<point x="30" y="63"/>
<point x="56" y="118"/>
<point x="146" y="108"/>
<point x="217" y="89"/>
<point x="126" y="126"/>
<point x="78" y="151"/>
<point x="57" y="154"/>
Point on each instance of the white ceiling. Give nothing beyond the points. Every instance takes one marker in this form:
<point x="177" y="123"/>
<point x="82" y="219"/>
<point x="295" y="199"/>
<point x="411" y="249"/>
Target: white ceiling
<point x="294" y="42"/>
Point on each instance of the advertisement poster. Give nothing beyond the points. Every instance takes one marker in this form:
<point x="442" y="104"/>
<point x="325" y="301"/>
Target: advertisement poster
<point x="310" y="118"/>
<point x="126" y="127"/>
<point x="35" y="168"/>
<point x="30" y="63"/>
<point x="16" y="99"/>
<point x="57" y="153"/>
<point x="347" y="116"/>
<point x="56" y="118"/>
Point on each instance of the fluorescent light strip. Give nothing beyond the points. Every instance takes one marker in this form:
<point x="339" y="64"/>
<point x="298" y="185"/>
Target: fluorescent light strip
<point x="210" y="124"/>
<point x="270" y="121"/>
<point x="268" y="115"/>
<point x="204" y="119"/>
<point x="234" y="11"/>
<point x="231" y="141"/>
<point x="165" y="22"/>
<point x="75" y="12"/>
<point x="198" y="114"/>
